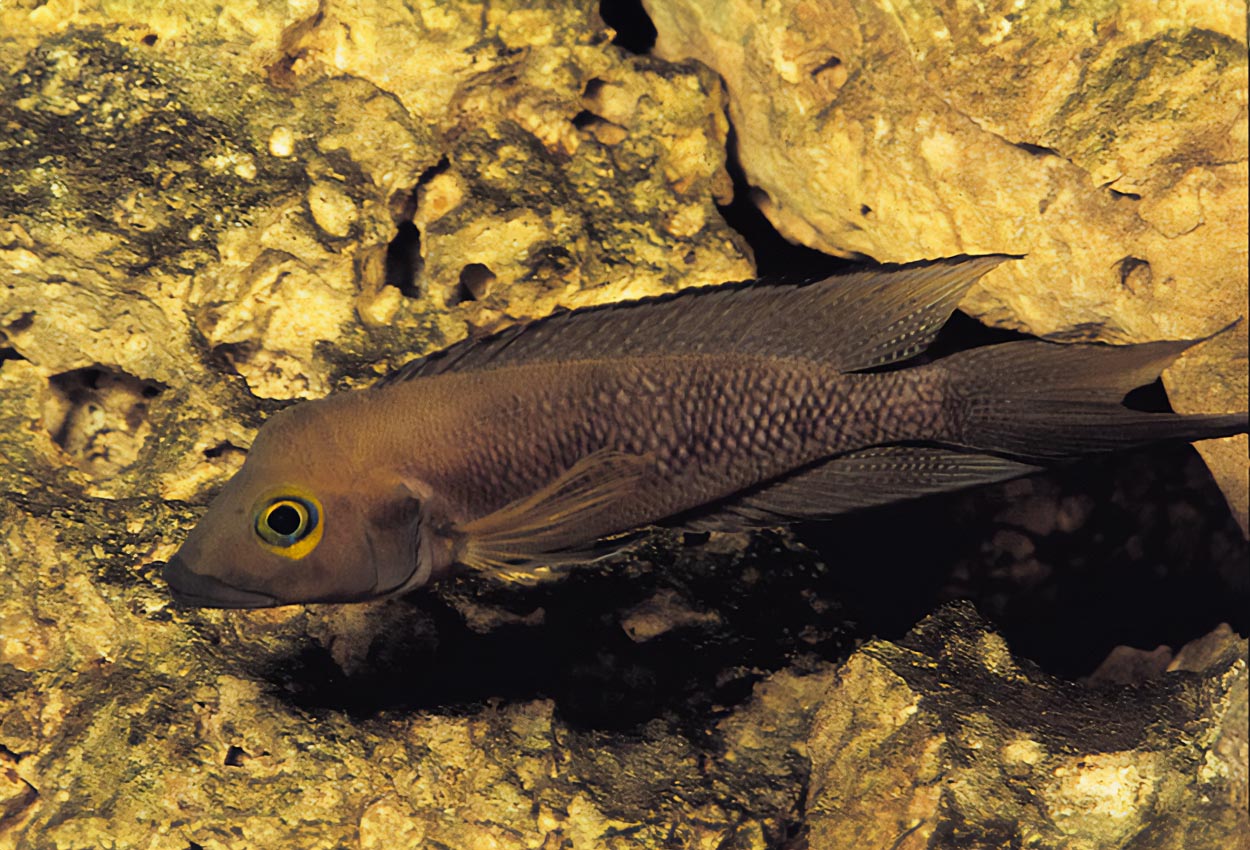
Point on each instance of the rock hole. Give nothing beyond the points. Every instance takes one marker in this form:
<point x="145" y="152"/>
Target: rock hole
<point x="475" y="283"/>
<point x="22" y="322"/>
<point x="831" y="74"/>
<point x="228" y="356"/>
<point x="7" y="353"/>
<point x="634" y="30"/>
<point x="1135" y="274"/>
<point x="775" y="256"/>
<point x="235" y="756"/>
<point x="1131" y="196"/>
<point x="603" y="130"/>
<point x="402" y="205"/>
<point x="831" y="62"/>
<point x="594" y="86"/>
<point x="1151" y="398"/>
<point x="403" y="260"/>
<point x="149" y="40"/>
<point x="221" y="450"/>
<point x="585" y="119"/>
<point x="99" y="416"/>
<point x="865" y="210"/>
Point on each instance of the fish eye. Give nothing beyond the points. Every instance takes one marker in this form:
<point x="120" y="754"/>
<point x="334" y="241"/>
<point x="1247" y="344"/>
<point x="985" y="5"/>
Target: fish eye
<point x="285" y="521"/>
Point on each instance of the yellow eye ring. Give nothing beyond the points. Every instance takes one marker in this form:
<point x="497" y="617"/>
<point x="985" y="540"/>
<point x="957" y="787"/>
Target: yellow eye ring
<point x="288" y="525"/>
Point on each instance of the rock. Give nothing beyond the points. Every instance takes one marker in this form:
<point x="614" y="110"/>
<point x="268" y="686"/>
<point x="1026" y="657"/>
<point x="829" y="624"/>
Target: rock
<point x="944" y="739"/>
<point x="1106" y="145"/>
<point x="660" y="614"/>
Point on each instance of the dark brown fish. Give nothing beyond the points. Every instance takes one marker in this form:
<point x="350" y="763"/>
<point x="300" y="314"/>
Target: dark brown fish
<point x="723" y="407"/>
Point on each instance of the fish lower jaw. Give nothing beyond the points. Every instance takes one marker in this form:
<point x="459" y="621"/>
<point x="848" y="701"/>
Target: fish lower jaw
<point x="193" y="590"/>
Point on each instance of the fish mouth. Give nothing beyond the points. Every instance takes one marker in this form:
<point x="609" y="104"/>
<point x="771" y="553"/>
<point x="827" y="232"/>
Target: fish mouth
<point x="194" y="590"/>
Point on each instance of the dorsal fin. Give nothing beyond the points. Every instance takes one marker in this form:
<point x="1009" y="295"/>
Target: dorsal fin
<point x="852" y="321"/>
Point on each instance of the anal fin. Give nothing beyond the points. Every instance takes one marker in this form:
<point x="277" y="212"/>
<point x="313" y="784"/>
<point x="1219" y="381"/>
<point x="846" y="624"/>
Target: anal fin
<point x="863" y="479"/>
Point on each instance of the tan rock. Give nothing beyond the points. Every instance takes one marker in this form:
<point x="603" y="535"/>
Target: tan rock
<point x="944" y="740"/>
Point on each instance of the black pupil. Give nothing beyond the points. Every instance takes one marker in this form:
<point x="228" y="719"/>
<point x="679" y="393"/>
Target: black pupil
<point x="284" y="520"/>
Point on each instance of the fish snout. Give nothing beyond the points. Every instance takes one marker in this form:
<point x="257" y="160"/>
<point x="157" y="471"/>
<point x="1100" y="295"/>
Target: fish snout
<point x="195" y="590"/>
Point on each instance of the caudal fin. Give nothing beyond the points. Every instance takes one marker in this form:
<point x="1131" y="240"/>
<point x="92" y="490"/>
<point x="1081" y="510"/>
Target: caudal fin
<point x="1038" y="400"/>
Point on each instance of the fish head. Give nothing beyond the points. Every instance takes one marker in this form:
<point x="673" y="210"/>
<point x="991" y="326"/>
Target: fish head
<point x="302" y="521"/>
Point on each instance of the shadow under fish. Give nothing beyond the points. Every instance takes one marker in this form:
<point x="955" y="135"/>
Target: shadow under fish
<point x="724" y="407"/>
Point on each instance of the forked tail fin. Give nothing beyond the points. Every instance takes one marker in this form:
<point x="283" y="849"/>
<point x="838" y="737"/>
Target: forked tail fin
<point x="1037" y="400"/>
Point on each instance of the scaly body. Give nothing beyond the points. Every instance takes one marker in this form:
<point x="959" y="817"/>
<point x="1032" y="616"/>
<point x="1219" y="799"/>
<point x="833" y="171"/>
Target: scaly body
<point x="706" y="427"/>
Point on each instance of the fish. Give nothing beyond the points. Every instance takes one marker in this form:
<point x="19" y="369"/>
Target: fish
<point x="725" y="407"/>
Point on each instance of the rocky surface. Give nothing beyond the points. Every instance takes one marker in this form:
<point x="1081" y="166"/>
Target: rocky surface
<point x="208" y="210"/>
<point x="944" y="740"/>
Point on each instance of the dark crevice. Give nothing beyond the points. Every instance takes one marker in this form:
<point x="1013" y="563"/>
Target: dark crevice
<point x="403" y="260"/>
<point x="1152" y="398"/>
<point x="634" y="30"/>
<point x="1134" y="273"/>
<point x="579" y="654"/>
<point x="9" y="354"/>
<point x="1037" y="150"/>
<point x="226" y="356"/>
<point x="592" y="88"/>
<point x="775" y="256"/>
<point x="99" y="416"/>
<point x="828" y="65"/>
<point x="584" y="119"/>
<point x="433" y="171"/>
<point x="22" y="322"/>
<point x="1141" y="567"/>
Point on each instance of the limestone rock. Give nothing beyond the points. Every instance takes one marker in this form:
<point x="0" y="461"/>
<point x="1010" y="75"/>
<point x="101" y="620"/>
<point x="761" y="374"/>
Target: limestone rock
<point x="168" y="211"/>
<point x="199" y="210"/>
<point x="1105" y="143"/>
<point x="944" y="740"/>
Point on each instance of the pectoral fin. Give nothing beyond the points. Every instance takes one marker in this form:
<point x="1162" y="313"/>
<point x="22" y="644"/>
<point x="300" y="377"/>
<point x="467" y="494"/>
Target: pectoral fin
<point x="557" y="524"/>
